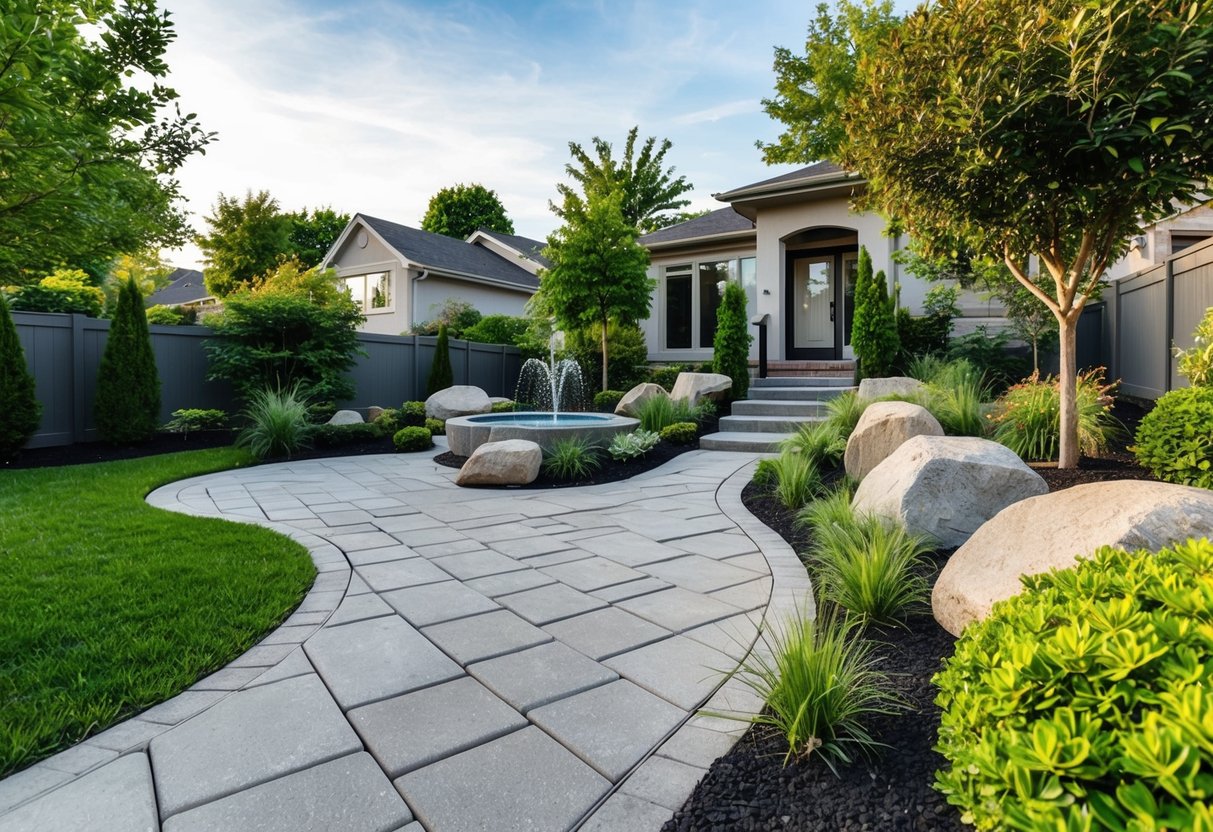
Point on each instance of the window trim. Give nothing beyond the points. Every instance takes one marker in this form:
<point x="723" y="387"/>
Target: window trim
<point x="363" y="270"/>
<point x="691" y="267"/>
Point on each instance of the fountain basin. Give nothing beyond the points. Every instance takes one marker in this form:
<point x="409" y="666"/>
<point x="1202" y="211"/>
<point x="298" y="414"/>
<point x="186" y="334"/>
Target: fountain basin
<point x="465" y="434"/>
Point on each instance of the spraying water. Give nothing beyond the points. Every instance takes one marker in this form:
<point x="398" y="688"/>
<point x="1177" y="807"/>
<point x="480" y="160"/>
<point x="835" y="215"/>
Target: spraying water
<point x="553" y="385"/>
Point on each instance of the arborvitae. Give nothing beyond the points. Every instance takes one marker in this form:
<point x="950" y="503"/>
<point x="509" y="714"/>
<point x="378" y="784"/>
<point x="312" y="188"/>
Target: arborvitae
<point x="888" y="341"/>
<point x="127" y="407"/>
<point x="441" y="376"/>
<point x="861" y="324"/>
<point x="19" y="407"/>
<point x="731" y="349"/>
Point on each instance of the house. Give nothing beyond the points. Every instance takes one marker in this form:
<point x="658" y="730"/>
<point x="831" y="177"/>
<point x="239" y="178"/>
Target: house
<point x="401" y="275"/>
<point x="1169" y="236"/>
<point x="185" y="289"/>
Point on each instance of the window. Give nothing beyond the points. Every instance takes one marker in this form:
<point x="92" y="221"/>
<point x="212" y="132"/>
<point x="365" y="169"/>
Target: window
<point x="712" y="277"/>
<point x="692" y="294"/>
<point x="370" y="291"/>
<point x="678" y="296"/>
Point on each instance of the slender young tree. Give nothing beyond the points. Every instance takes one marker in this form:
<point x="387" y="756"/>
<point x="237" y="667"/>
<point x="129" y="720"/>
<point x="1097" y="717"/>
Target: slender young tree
<point x="731" y="348"/>
<point x="20" y="410"/>
<point x="441" y="375"/>
<point x="127" y="405"/>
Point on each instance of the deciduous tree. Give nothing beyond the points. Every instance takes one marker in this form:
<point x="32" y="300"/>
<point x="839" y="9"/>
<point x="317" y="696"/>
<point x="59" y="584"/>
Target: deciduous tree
<point x="459" y="210"/>
<point x="248" y="237"/>
<point x="312" y="234"/>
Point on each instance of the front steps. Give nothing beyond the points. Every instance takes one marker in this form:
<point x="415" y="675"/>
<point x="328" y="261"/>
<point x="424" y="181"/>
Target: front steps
<point x="775" y="409"/>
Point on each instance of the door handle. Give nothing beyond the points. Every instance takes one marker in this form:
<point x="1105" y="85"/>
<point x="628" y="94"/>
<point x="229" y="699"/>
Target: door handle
<point x="831" y="311"/>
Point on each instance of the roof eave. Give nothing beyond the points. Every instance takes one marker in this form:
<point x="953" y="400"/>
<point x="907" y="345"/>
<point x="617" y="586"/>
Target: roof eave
<point x="806" y="185"/>
<point x="723" y="237"/>
<point x="476" y="278"/>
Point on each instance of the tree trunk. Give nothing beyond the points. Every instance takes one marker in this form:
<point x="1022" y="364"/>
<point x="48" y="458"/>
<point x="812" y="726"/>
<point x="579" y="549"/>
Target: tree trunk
<point x="1067" y="381"/>
<point x="604" y="353"/>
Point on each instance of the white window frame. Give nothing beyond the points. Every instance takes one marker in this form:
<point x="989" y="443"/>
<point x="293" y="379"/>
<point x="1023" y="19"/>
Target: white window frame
<point x="365" y="270"/>
<point x="733" y="258"/>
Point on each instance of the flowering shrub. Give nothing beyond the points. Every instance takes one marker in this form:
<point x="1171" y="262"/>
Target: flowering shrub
<point x="1027" y="418"/>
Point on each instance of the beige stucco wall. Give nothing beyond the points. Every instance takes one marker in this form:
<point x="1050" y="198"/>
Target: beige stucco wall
<point x="352" y="259"/>
<point x="430" y="293"/>
<point x="1157" y="240"/>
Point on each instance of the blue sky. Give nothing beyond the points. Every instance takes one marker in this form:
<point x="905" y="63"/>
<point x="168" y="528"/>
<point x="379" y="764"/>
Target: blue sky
<point x="373" y="105"/>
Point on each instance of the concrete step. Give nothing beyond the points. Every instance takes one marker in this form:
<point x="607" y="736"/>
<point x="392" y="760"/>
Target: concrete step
<point x="797" y="394"/>
<point x="788" y="409"/>
<point x="760" y="443"/>
<point x="803" y="381"/>
<point x="763" y="424"/>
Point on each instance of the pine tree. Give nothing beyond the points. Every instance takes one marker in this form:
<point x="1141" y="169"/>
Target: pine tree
<point x="127" y="407"/>
<point x="731" y="349"/>
<point x="20" y="411"/>
<point x="441" y="375"/>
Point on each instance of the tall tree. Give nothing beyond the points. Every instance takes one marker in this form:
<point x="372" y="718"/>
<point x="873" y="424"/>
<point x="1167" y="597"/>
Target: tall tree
<point x="20" y="410"/>
<point x="248" y="237"/>
<point x="459" y="210"/>
<point x="1052" y="130"/>
<point x="127" y="405"/>
<point x="599" y="272"/>
<point x="312" y="234"/>
<point x="645" y="188"/>
<point x="147" y="268"/>
<point x="88" y="151"/>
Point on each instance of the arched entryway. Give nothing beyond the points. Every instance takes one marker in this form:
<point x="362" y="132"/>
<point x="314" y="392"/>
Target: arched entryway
<point x="819" y="291"/>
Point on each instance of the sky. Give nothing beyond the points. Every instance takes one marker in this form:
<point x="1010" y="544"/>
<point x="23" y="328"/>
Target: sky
<point x="371" y="106"/>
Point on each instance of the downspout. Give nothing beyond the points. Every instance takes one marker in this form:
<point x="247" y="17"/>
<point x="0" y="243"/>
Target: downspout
<point x="417" y="391"/>
<point x="413" y="294"/>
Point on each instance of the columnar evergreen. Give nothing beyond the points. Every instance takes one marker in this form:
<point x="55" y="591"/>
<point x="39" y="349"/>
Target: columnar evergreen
<point x="19" y="407"/>
<point x="127" y="406"/>
<point x="731" y="348"/>
<point x="874" y="329"/>
<point x="441" y="375"/>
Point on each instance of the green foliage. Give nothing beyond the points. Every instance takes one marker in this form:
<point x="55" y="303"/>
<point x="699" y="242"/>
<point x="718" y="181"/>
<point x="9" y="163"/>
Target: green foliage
<point x="459" y="210"/>
<point x="1196" y="362"/>
<point x="819" y="681"/>
<point x="1030" y="320"/>
<point x="388" y="421"/>
<point x="411" y="439"/>
<point x="164" y="316"/>
<point x="1027" y="417"/>
<point x="844" y="411"/>
<point x="987" y="351"/>
<point x="92" y="135"/>
<point x="291" y="278"/>
<point x="498" y="329"/>
<point x="606" y="400"/>
<point x="64" y="290"/>
<point x="191" y="420"/>
<point x="920" y="336"/>
<point x="312" y="234"/>
<point x="794" y="478"/>
<point x="436" y="427"/>
<point x="955" y="395"/>
<point x="278" y="423"/>
<point x="149" y="271"/>
<point x="666" y="375"/>
<point x="1084" y="701"/>
<point x="441" y="375"/>
<point x="821" y="442"/>
<point x="457" y="315"/>
<point x="20" y="411"/>
<point x="659" y="412"/>
<point x="504" y="407"/>
<point x="127" y="404"/>
<point x="334" y="436"/>
<point x="731" y="348"/>
<point x="626" y="349"/>
<point x="575" y="458"/>
<point x="874" y="329"/>
<point x="680" y="433"/>
<point x="632" y="445"/>
<point x="412" y="415"/>
<point x="1175" y="439"/>
<point x="248" y="237"/>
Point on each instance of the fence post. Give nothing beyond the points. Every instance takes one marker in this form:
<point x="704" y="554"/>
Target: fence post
<point x="1114" y="370"/>
<point x="1170" y="323"/>
<point x="415" y="385"/>
<point x="78" y="377"/>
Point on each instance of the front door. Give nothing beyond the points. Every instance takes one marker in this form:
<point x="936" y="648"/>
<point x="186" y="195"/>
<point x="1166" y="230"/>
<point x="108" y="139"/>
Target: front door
<point x="817" y="295"/>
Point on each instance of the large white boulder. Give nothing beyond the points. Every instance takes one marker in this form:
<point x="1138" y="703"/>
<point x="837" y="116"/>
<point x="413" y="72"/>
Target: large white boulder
<point x="460" y="400"/>
<point x="509" y="462"/>
<point x="946" y="487"/>
<point x="629" y="405"/>
<point x="878" y="388"/>
<point x="346" y="417"/>
<point x="882" y="428"/>
<point x="1051" y="531"/>
<point x="693" y="387"/>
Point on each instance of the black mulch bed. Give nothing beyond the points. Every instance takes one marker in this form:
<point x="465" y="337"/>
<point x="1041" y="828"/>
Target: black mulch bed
<point x="608" y="471"/>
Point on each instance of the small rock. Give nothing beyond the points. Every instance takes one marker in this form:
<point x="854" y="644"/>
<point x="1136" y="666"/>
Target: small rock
<point x="374" y="412"/>
<point x="346" y="417"/>
<point x="509" y="462"/>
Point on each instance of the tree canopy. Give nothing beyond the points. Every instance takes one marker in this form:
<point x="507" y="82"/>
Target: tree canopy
<point x="459" y="210"/>
<point x="88" y="148"/>
<point x="312" y="234"/>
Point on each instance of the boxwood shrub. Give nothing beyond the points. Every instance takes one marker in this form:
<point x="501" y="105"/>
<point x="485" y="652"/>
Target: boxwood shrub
<point x="413" y="439"/>
<point x="436" y="427"/>
<point x="1086" y="702"/>
<point x="1175" y="439"/>
<point x="334" y="436"/>
<point x="680" y="433"/>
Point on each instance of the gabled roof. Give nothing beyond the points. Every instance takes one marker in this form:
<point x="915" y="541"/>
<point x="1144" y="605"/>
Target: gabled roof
<point x="185" y="286"/>
<point x="723" y="221"/>
<point x="815" y="175"/>
<point x="525" y="246"/>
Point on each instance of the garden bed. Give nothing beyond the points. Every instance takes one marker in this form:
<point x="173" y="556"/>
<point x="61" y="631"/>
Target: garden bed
<point x="608" y="471"/>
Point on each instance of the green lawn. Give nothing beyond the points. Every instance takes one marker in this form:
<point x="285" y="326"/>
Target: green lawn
<point x="108" y="606"/>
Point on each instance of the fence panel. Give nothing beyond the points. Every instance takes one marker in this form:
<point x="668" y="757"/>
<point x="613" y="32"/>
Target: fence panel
<point x="1142" y="333"/>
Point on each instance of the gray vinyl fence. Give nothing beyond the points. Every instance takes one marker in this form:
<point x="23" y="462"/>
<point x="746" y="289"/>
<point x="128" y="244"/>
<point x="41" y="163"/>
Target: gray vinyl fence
<point x="64" y="352"/>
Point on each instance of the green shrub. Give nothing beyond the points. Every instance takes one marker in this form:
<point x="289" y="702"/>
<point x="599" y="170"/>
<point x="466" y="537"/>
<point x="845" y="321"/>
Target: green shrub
<point x="436" y="427"/>
<point x="666" y="375"/>
<point x="632" y="445"/>
<point x="65" y="291"/>
<point x="701" y="412"/>
<point x="127" y="404"/>
<point x="955" y="395"/>
<point x="190" y="420"/>
<point x="1196" y="363"/>
<point x="159" y="315"/>
<point x="922" y="336"/>
<point x="659" y="412"/>
<point x="388" y="421"/>
<point x="412" y="415"/>
<point x="497" y="329"/>
<point x="731" y="347"/>
<point x="874" y="328"/>
<point x="441" y="376"/>
<point x="1084" y="702"/>
<point x="334" y="436"/>
<point x="819" y="681"/>
<point x="413" y="439"/>
<point x="844" y="411"/>
<point x="20" y="411"/>
<point x="503" y="407"/>
<point x="680" y="433"/>
<point x="820" y="442"/>
<point x="1175" y="439"/>
<point x="628" y="355"/>
<point x="278" y="424"/>
<point x="456" y="315"/>
<point x="575" y="458"/>
<point x="1027" y="418"/>
<point x="989" y="354"/>
<point x="606" y="400"/>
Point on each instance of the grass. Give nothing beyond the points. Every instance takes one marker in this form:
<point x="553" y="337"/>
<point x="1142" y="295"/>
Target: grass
<point x="108" y="606"/>
<point x="575" y="458"/>
<point x="278" y="423"/>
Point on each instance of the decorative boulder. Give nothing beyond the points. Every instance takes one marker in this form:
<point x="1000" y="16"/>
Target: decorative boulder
<point x="373" y="412"/>
<point x="1052" y="530"/>
<point x="879" y="388"/>
<point x="346" y="417"/>
<point x="509" y="462"/>
<point x="881" y="430"/>
<point x="692" y="387"/>
<point x="946" y="486"/>
<point x="460" y="400"/>
<point x="630" y="403"/>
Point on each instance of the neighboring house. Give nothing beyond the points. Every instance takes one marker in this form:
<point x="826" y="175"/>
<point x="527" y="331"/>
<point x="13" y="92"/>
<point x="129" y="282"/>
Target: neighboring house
<point x="185" y="289"/>
<point x="1159" y="241"/>
<point x="401" y="275"/>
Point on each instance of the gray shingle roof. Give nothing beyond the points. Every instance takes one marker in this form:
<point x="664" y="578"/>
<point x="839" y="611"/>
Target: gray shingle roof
<point x="185" y="286"/>
<point x="720" y="221"/>
<point x="531" y="248"/>
<point x="810" y="172"/>
<point x="447" y="254"/>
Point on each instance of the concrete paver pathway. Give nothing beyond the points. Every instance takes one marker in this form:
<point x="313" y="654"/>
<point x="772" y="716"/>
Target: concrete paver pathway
<point x="466" y="660"/>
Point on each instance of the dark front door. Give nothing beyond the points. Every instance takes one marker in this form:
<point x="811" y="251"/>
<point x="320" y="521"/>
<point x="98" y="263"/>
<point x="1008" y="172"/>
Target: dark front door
<point x="816" y="298"/>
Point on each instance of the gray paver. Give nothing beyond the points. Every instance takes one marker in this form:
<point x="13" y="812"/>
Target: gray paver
<point x="631" y="589"/>
<point x="603" y="633"/>
<point x="625" y="813"/>
<point x="182" y="706"/>
<point x="678" y="670"/>
<point x="529" y="547"/>
<point x="495" y="585"/>
<point x="359" y="608"/>
<point x="717" y="544"/>
<point x="397" y="574"/>
<point x="629" y="548"/>
<point x="370" y="660"/>
<point x="535" y="785"/>
<point x="435" y="603"/>
<point x="381" y="555"/>
<point x="540" y="675"/>
<point x="752" y="595"/>
<point x="665" y="782"/>
<point x="610" y="727"/>
<point x="430" y="536"/>
<point x="678" y="609"/>
<point x="23" y="785"/>
<point x="414" y="730"/>
<point x="363" y="540"/>
<point x="296" y="664"/>
<point x="80" y="758"/>
<point x="133" y="733"/>
<point x="698" y="746"/>
<point x="592" y="573"/>
<point x="347" y="793"/>
<point x="550" y="603"/>
<point x="477" y="564"/>
<point x="486" y="636"/>
<point x="698" y="574"/>
<point x="117" y="797"/>
<point x="249" y="738"/>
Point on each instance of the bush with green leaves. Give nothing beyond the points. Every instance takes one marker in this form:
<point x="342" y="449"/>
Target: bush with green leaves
<point x="874" y="329"/>
<point x="1196" y="362"/>
<point x="436" y="427"/>
<point x="503" y="407"/>
<point x="278" y="423"/>
<point x="455" y="314"/>
<point x="1084" y="702"/>
<point x="575" y="458"/>
<point x="632" y="445"/>
<point x="191" y="420"/>
<point x="821" y="442"/>
<point x="1175" y="439"/>
<point x="127" y="403"/>
<point x="441" y="375"/>
<point x="666" y="375"/>
<point x="160" y="315"/>
<point x="680" y="433"/>
<point x="731" y="347"/>
<point x="498" y="329"/>
<point x="20" y="411"/>
<point x="412" y="415"/>
<point x="334" y="436"/>
<point x="627" y="353"/>
<point x="822" y="687"/>
<point x="606" y="400"/>
<point x="65" y="290"/>
<point x="920" y="336"/>
<point x="1027" y="418"/>
<point x="388" y="421"/>
<point x="411" y="439"/>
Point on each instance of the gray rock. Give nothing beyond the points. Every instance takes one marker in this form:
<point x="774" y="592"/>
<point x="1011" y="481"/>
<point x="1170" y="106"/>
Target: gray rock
<point x="878" y="388"/>
<point x="694" y="387"/>
<point x="460" y="400"/>
<point x="1050" y="531"/>
<point x="946" y="486"/>
<point x="346" y="417"/>
<point x="629" y="405"/>
<point x="881" y="430"/>
<point x="509" y="462"/>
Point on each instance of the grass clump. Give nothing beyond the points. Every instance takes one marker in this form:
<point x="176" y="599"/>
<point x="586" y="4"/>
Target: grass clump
<point x="109" y="606"/>
<point x="793" y="478"/>
<point x="1027" y="419"/>
<point x="844" y="411"/>
<point x="660" y="412"/>
<point x="821" y="442"/>
<point x="279" y="424"/>
<point x="572" y="459"/>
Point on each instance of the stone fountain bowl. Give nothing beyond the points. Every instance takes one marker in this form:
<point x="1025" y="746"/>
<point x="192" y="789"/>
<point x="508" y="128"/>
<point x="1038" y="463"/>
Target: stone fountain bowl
<point x="465" y="434"/>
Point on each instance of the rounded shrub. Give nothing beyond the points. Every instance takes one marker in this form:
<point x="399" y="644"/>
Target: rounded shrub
<point x="1085" y="701"/>
<point x="606" y="400"/>
<point x="334" y="436"/>
<point x="1175" y="439"/>
<point x="388" y="421"/>
<point x="413" y="439"/>
<point x="503" y="407"/>
<point x="680" y="433"/>
<point x="436" y="427"/>
<point x="412" y="415"/>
